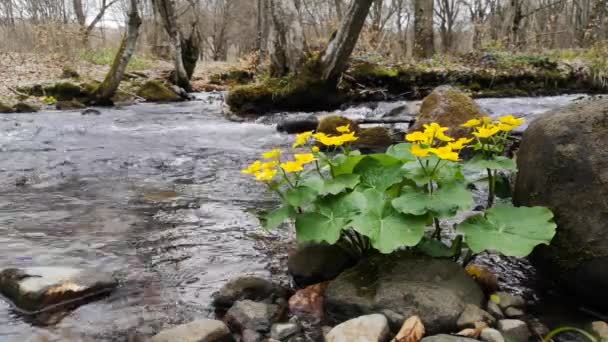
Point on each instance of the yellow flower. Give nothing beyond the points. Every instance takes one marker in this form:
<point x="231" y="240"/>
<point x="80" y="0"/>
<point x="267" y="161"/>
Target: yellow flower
<point x="418" y="137"/>
<point x="445" y="153"/>
<point x="305" y="158"/>
<point x="253" y="168"/>
<point x="505" y="127"/>
<point x="486" y="120"/>
<point x="420" y="151"/>
<point x="323" y="139"/>
<point x="302" y="139"/>
<point x="471" y="123"/>
<point x="459" y="144"/>
<point x="274" y="154"/>
<point x="511" y="120"/>
<point x="343" y="129"/>
<point x="435" y="130"/>
<point x="315" y="149"/>
<point x="486" y="131"/>
<point x="270" y="165"/>
<point x="348" y="137"/>
<point x="292" y="166"/>
<point x="265" y="175"/>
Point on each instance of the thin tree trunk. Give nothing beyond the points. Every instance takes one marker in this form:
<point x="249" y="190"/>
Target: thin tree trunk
<point x="79" y="12"/>
<point x="166" y="9"/>
<point x="334" y="59"/>
<point x="106" y="90"/>
<point x="338" y="4"/>
<point x="286" y="40"/>
<point x="424" y="46"/>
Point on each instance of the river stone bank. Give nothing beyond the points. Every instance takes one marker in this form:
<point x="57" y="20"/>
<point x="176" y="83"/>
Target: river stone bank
<point x="563" y="164"/>
<point x="37" y="289"/>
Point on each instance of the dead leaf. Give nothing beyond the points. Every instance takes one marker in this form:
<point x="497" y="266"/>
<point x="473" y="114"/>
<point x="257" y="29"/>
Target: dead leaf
<point x="473" y="333"/>
<point x="411" y="331"/>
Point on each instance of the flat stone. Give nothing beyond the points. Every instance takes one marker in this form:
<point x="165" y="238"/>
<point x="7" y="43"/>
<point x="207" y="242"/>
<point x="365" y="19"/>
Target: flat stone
<point x="202" y="330"/>
<point x="514" y="330"/>
<point x="38" y="288"/>
<point x="369" y="328"/>
<point x="473" y="314"/>
<point x="248" y="287"/>
<point x="447" y="338"/>
<point x="491" y="335"/>
<point x="250" y="315"/>
<point x="513" y="312"/>
<point x="282" y="330"/>
<point x="507" y="300"/>
<point x="495" y="310"/>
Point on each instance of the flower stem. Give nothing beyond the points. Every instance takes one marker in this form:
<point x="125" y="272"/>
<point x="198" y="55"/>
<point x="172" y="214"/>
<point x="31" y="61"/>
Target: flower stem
<point x="491" y="188"/>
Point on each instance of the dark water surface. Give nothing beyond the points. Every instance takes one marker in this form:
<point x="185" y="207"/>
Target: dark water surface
<point x="151" y="192"/>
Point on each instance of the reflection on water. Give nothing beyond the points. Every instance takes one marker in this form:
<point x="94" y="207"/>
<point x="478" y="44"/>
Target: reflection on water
<point x="149" y="192"/>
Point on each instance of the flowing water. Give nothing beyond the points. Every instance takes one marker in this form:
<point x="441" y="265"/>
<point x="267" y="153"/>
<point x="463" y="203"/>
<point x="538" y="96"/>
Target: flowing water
<point x="152" y="193"/>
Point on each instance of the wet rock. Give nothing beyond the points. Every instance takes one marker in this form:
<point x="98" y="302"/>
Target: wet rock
<point x="473" y="314"/>
<point x="64" y="91"/>
<point x="514" y="330"/>
<point x="506" y="300"/>
<point x="249" y="335"/>
<point x="298" y="126"/>
<point x="90" y="111"/>
<point x="537" y="328"/>
<point x="483" y="276"/>
<point x="157" y="91"/>
<point x="600" y="329"/>
<point x="513" y="312"/>
<point x="23" y="107"/>
<point x="249" y="287"/>
<point x="281" y="331"/>
<point x="369" y="328"/>
<point x="247" y="314"/>
<point x="21" y="181"/>
<point x="448" y="107"/>
<point x="495" y="310"/>
<point x="4" y="108"/>
<point x="36" y="288"/>
<point x="375" y="139"/>
<point x="202" y="330"/>
<point x="309" y="301"/>
<point x="491" y="335"/>
<point x="328" y="124"/>
<point x="71" y="104"/>
<point x="562" y="165"/>
<point x="447" y="338"/>
<point x="316" y="263"/>
<point x="434" y="289"/>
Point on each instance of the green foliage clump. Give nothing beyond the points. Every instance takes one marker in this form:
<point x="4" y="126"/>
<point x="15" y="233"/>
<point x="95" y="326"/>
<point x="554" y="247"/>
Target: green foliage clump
<point x="106" y="57"/>
<point x="63" y="91"/>
<point x="387" y="201"/>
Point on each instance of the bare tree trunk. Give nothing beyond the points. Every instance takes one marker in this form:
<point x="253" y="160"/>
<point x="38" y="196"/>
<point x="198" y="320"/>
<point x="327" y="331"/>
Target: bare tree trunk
<point x="79" y="12"/>
<point x="424" y="46"/>
<point x="334" y="59"/>
<point x="286" y="43"/>
<point x="338" y="4"/>
<point x="166" y="9"/>
<point x="108" y="87"/>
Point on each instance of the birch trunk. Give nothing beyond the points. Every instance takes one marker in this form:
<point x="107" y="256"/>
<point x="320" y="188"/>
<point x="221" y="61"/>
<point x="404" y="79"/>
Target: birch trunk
<point x="424" y="46"/>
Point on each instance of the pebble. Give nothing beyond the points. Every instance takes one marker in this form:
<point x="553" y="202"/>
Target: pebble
<point x="495" y="310"/>
<point x="514" y="330"/>
<point x="473" y="314"/>
<point x="280" y="331"/>
<point x="600" y="329"/>
<point x="507" y="300"/>
<point x="361" y="329"/>
<point x="491" y="335"/>
<point x="203" y="330"/>
<point x="513" y="312"/>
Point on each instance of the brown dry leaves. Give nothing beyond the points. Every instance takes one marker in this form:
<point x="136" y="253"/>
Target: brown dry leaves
<point x="411" y="331"/>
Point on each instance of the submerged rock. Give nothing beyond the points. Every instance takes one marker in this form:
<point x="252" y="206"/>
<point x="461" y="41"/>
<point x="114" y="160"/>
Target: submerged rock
<point x="35" y="289"/>
<point x="448" y="107"/>
<point x="407" y="285"/>
<point x="67" y="105"/>
<point x="202" y="330"/>
<point x="369" y="328"/>
<point x="563" y="164"/>
<point x="249" y="287"/>
<point x="299" y="125"/>
<point x="157" y="91"/>
<point x="316" y="263"/>
<point x="329" y="124"/>
<point x="23" y="107"/>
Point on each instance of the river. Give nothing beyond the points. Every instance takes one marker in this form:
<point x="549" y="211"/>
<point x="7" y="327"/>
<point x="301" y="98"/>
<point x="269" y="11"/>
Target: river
<point x="152" y="193"/>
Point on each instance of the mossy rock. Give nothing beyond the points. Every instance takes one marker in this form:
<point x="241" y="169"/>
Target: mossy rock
<point x="89" y="87"/>
<point x="68" y="72"/>
<point x="23" y="107"/>
<point x="4" y="108"/>
<point x="67" y="105"/>
<point x="31" y="90"/>
<point x="376" y="139"/>
<point x="157" y="91"/>
<point x="64" y="91"/>
<point x="328" y="124"/>
<point x="232" y="77"/>
<point x="450" y="108"/>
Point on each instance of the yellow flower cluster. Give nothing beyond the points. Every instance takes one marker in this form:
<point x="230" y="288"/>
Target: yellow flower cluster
<point x="265" y="171"/>
<point x="426" y="143"/>
<point x="486" y="128"/>
<point x="346" y="137"/>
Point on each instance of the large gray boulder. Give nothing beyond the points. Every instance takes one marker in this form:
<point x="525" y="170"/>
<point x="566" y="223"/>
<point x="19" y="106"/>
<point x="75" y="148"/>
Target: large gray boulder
<point x="563" y="164"/>
<point x="402" y="285"/>
<point x="35" y="289"/>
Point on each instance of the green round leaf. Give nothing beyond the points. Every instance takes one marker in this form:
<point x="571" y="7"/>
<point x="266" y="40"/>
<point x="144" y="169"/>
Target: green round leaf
<point x="401" y="152"/>
<point x="332" y="186"/>
<point x="274" y="218"/>
<point x="444" y="202"/>
<point x="378" y="176"/>
<point x="512" y="231"/>
<point x="479" y="163"/>
<point x="300" y="196"/>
